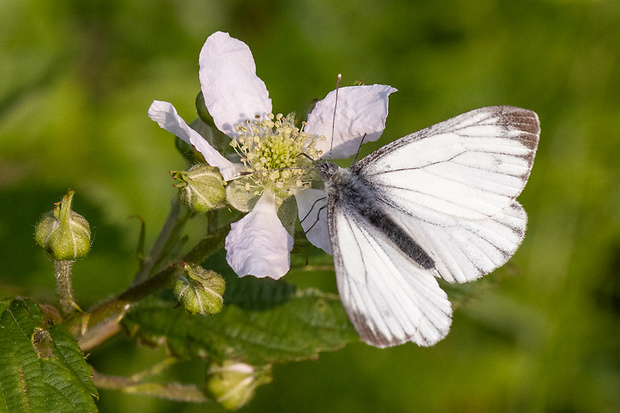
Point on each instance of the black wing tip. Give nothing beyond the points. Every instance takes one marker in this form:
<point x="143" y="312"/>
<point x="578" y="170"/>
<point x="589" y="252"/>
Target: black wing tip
<point x="524" y="120"/>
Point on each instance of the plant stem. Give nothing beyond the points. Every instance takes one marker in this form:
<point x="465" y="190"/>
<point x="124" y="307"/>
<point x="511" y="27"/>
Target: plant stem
<point x="62" y="271"/>
<point x="170" y="391"/>
<point x="171" y="229"/>
<point x="102" y="322"/>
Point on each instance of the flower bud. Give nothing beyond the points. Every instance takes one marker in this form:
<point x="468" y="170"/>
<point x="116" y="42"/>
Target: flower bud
<point x="233" y="384"/>
<point x="201" y="188"/>
<point x="64" y="234"/>
<point x="200" y="291"/>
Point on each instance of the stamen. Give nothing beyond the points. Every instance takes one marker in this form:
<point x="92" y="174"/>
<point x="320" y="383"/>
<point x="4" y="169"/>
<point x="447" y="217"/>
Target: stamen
<point x="271" y="147"/>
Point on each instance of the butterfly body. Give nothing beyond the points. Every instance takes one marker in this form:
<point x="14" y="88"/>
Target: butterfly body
<point x="348" y="190"/>
<point x="438" y="203"/>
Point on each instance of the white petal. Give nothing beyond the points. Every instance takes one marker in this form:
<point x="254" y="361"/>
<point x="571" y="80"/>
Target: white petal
<point x="360" y="110"/>
<point x="232" y="91"/>
<point x="258" y="244"/>
<point x="167" y="118"/>
<point x="312" y="207"/>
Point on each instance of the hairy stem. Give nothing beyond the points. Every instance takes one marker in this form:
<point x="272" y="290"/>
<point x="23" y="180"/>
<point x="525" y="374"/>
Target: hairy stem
<point x="62" y="271"/>
<point x="169" y="233"/>
<point x="170" y="391"/>
<point x="103" y="320"/>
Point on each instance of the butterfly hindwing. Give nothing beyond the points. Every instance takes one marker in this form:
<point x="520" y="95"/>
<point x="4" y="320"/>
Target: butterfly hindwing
<point x="465" y="249"/>
<point x="389" y="298"/>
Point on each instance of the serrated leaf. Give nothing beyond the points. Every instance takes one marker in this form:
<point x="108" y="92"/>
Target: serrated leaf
<point x="42" y="369"/>
<point x="253" y="293"/>
<point x="263" y="321"/>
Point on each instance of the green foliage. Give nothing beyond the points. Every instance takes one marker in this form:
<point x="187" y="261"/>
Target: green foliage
<point x="263" y="321"/>
<point x="43" y="369"/>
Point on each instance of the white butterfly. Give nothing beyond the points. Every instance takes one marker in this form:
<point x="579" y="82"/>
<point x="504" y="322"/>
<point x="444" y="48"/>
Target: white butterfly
<point x="439" y="203"/>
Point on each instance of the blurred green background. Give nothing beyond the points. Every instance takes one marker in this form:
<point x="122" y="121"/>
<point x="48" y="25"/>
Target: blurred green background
<point x="540" y="335"/>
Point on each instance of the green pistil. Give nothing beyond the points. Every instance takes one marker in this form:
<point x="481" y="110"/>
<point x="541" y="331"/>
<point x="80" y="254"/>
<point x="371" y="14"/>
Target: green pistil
<point x="275" y="152"/>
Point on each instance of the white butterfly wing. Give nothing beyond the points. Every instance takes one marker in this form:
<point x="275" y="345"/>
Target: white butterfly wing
<point x="465" y="249"/>
<point x="453" y="187"/>
<point x="472" y="166"/>
<point x="389" y="298"/>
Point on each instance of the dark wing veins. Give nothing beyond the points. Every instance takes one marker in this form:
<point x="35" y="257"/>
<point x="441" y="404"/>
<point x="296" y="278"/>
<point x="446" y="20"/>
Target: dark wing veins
<point x="357" y="197"/>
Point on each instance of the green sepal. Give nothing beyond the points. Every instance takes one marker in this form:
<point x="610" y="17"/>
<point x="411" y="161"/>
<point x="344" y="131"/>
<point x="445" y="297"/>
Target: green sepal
<point x="63" y="233"/>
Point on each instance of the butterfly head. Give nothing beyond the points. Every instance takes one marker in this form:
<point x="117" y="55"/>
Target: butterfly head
<point x="326" y="169"/>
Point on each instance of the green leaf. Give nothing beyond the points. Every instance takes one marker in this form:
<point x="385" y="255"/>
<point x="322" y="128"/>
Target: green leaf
<point x="263" y="321"/>
<point x="42" y="369"/>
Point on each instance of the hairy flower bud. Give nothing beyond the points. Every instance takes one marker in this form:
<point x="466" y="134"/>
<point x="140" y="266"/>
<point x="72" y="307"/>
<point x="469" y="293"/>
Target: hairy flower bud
<point x="201" y="188"/>
<point x="200" y="291"/>
<point x="233" y="384"/>
<point x="64" y="234"/>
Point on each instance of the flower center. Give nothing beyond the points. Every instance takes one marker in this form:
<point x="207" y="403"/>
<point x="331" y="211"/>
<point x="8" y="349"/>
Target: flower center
<point x="272" y="148"/>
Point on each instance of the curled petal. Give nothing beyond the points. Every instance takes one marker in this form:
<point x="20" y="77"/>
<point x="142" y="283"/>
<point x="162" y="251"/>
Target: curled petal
<point x="167" y="118"/>
<point x="232" y="91"/>
<point x="258" y="244"/>
<point x="360" y="110"/>
<point x="312" y="207"/>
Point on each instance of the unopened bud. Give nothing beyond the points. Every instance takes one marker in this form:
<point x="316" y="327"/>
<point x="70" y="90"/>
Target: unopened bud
<point x="233" y="384"/>
<point x="64" y="234"/>
<point x="200" y="291"/>
<point x="201" y="188"/>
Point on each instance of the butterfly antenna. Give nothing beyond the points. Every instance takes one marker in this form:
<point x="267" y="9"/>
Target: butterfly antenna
<point x="338" y="79"/>
<point x="306" y="155"/>
<point x="359" y="148"/>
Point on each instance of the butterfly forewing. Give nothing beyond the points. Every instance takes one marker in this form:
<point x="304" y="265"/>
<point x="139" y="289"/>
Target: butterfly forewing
<point x="472" y="166"/>
<point x="453" y="187"/>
